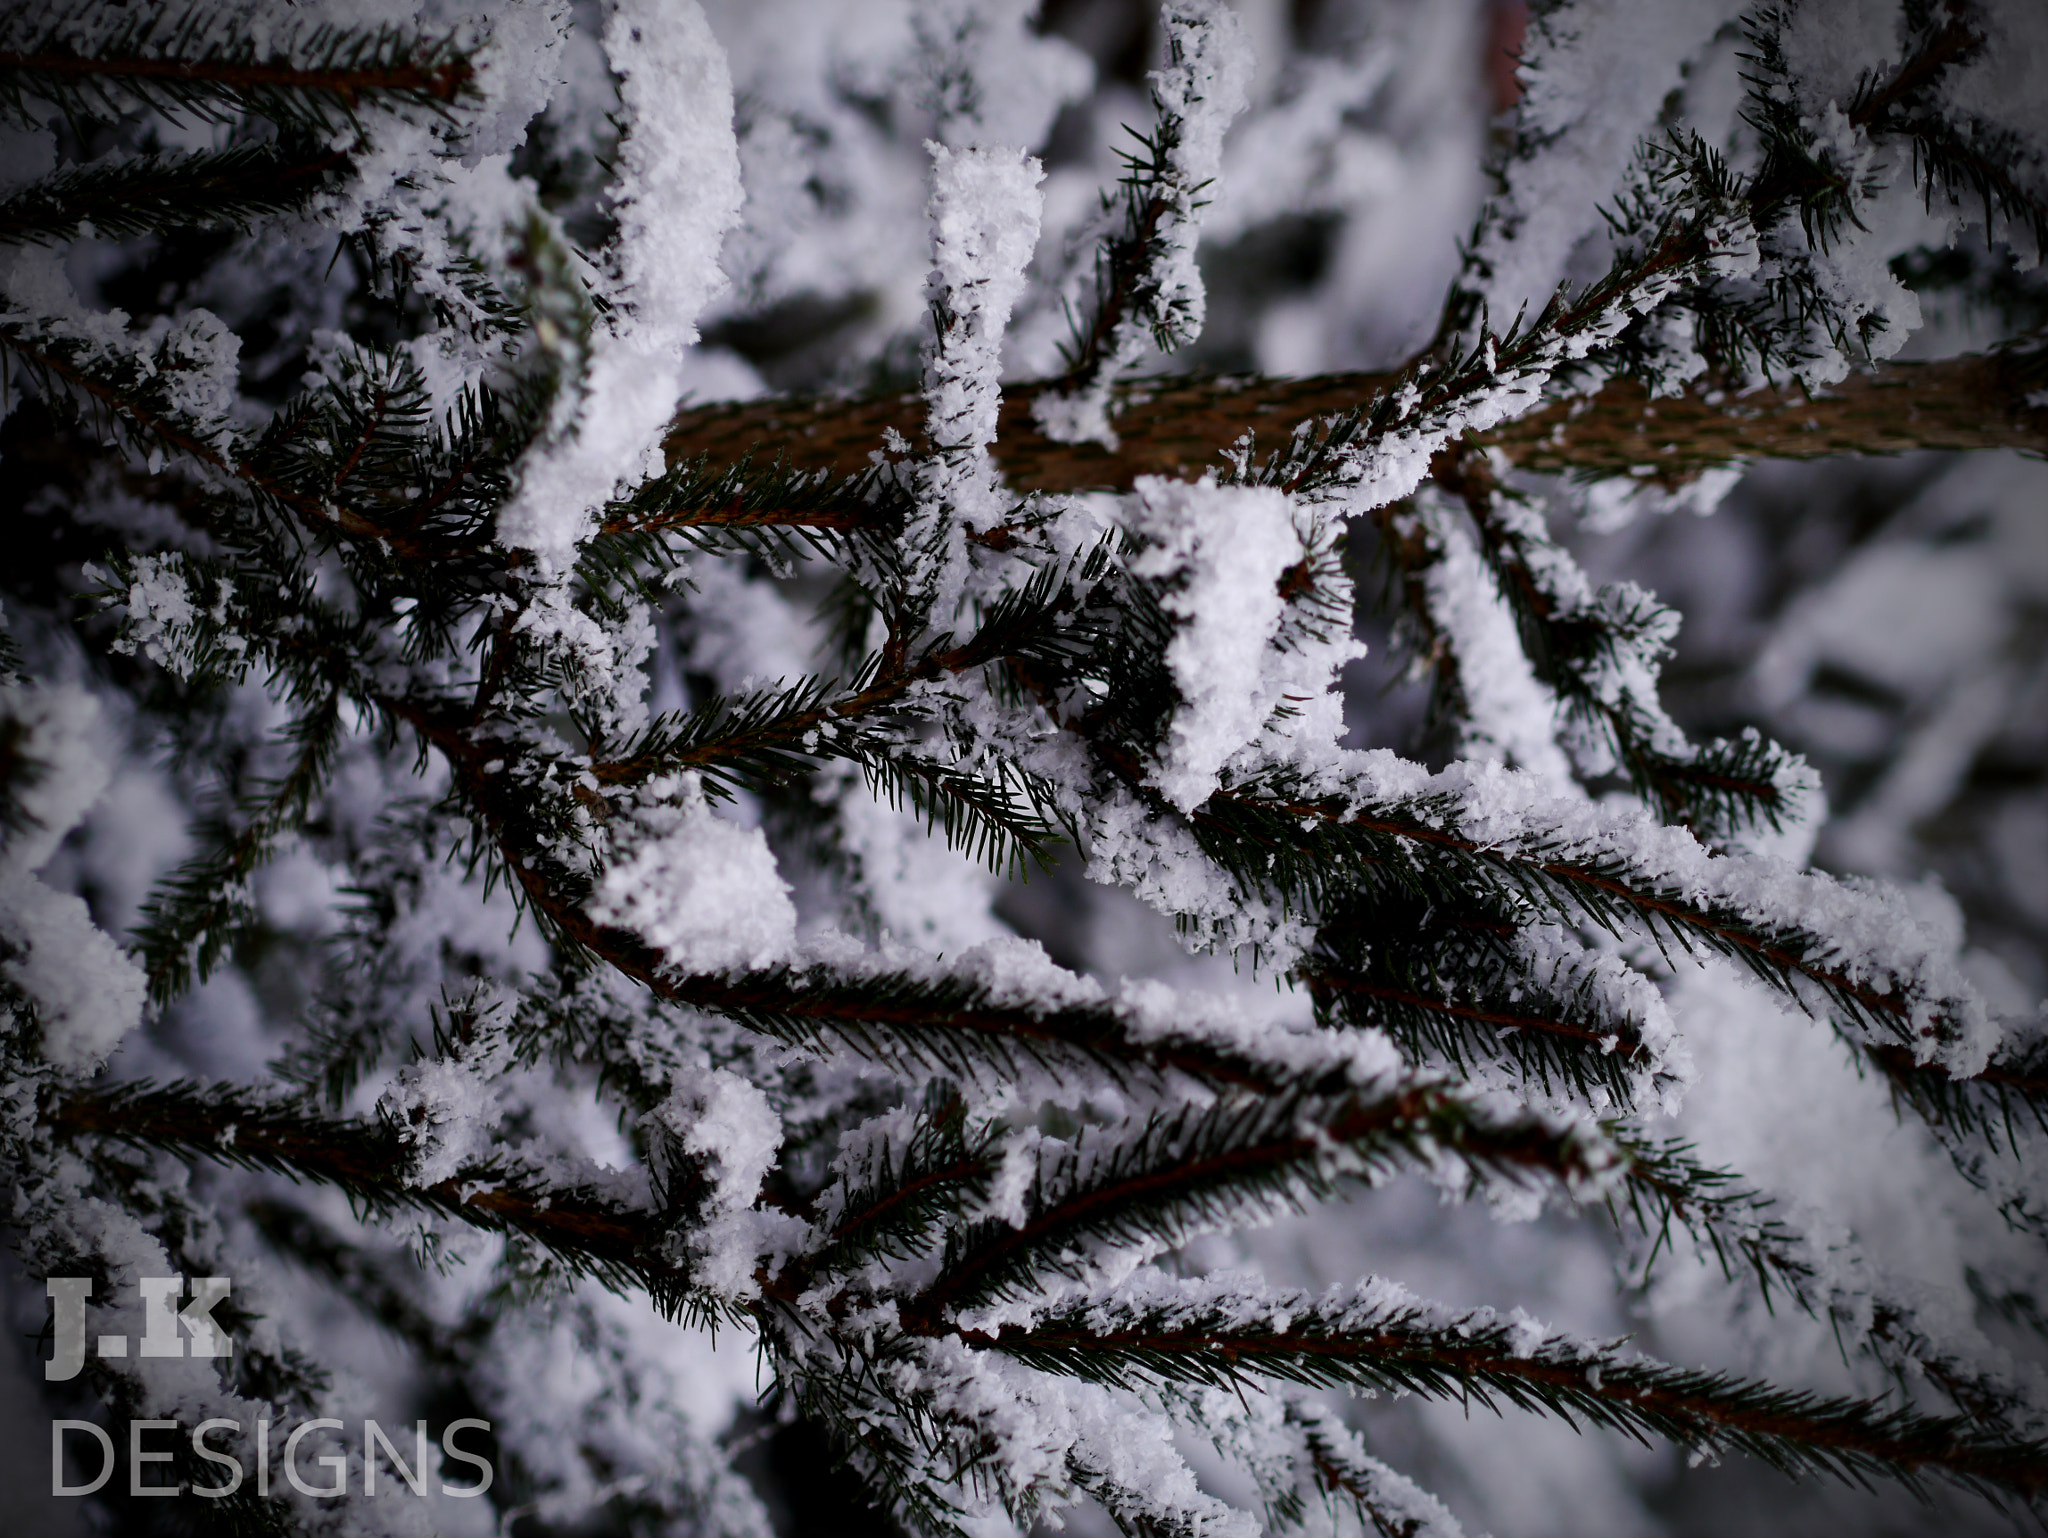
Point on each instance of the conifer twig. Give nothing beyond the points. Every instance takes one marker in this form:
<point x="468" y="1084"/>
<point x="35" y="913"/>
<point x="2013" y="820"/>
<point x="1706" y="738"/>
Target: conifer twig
<point x="1375" y="1337"/>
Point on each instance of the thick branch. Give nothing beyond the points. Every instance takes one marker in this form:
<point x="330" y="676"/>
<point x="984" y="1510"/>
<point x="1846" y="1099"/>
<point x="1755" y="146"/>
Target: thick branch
<point x="1179" y="426"/>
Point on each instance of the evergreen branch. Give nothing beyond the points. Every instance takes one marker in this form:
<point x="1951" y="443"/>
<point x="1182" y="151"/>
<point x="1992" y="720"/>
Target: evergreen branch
<point x="1209" y="1167"/>
<point x="1368" y="452"/>
<point x="1432" y="1025"/>
<point x="992" y="818"/>
<point x="192" y="1236"/>
<point x="568" y="1016"/>
<point x="956" y="1025"/>
<point x="1602" y="652"/>
<point x="198" y="913"/>
<point x="181" y="63"/>
<point x="288" y="470"/>
<point x="1976" y="401"/>
<point x="360" y="461"/>
<point x="895" y="1194"/>
<point x="691" y="496"/>
<point x="769" y="736"/>
<point x="917" y="1458"/>
<point x="1908" y="104"/>
<point x="589" y="1232"/>
<point x="1377" y="1337"/>
<point x="779" y="516"/>
<point x="1667" y="1188"/>
<point x="2012" y="1088"/>
<point x="1146" y="288"/>
<point x="1128" y="280"/>
<point x="1977" y="167"/>
<point x="1321" y="853"/>
<point x="125" y="397"/>
<point x="1415" y="843"/>
<point x="772" y="735"/>
<point x="1470" y="984"/>
<point x="959" y="1027"/>
<point x="1343" y="1472"/>
<point x="118" y="199"/>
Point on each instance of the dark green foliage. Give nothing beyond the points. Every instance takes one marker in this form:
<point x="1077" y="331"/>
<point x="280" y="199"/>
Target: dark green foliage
<point x="1391" y="1344"/>
<point x="1215" y="1167"/>
<point x="180" y="62"/>
<point x="894" y="1202"/>
<point x="1452" y="985"/>
<point x="584" y="1233"/>
<point x="235" y="187"/>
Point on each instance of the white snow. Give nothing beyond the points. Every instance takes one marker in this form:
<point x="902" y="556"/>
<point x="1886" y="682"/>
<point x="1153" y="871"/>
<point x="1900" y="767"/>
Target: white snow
<point x="703" y="891"/>
<point x="1219" y="552"/>
<point x="677" y="194"/>
<point x="841" y="163"/>
<point x="87" y="993"/>
<point x="1510" y="716"/>
<point x="1594" y="74"/>
<point x="984" y="212"/>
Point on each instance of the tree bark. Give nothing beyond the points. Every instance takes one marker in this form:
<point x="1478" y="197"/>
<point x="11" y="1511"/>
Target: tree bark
<point x="1179" y="425"/>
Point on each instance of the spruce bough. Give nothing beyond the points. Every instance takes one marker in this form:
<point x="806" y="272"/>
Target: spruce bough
<point x="656" y="767"/>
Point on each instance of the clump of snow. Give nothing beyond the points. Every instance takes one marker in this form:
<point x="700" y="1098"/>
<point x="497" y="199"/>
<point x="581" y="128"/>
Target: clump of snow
<point x="1220" y="552"/>
<point x="86" y="992"/>
<point x="443" y="1110"/>
<point x="197" y="362"/>
<point x="1016" y="972"/>
<point x="984" y="213"/>
<point x="725" y="1128"/>
<point x="166" y="619"/>
<point x="518" y="63"/>
<point x="190" y="363"/>
<point x="604" y="659"/>
<point x="447" y="1109"/>
<point x="701" y="890"/>
<point x="1509" y="715"/>
<point x="985" y="209"/>
<point x="1053" y="1441"/>
<point x="727" y="1123"/>
<point x="678" y="193"/>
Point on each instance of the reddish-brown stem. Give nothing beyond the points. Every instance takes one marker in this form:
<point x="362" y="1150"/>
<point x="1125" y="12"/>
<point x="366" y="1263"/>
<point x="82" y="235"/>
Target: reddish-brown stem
<point x="1179" y="426"/>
